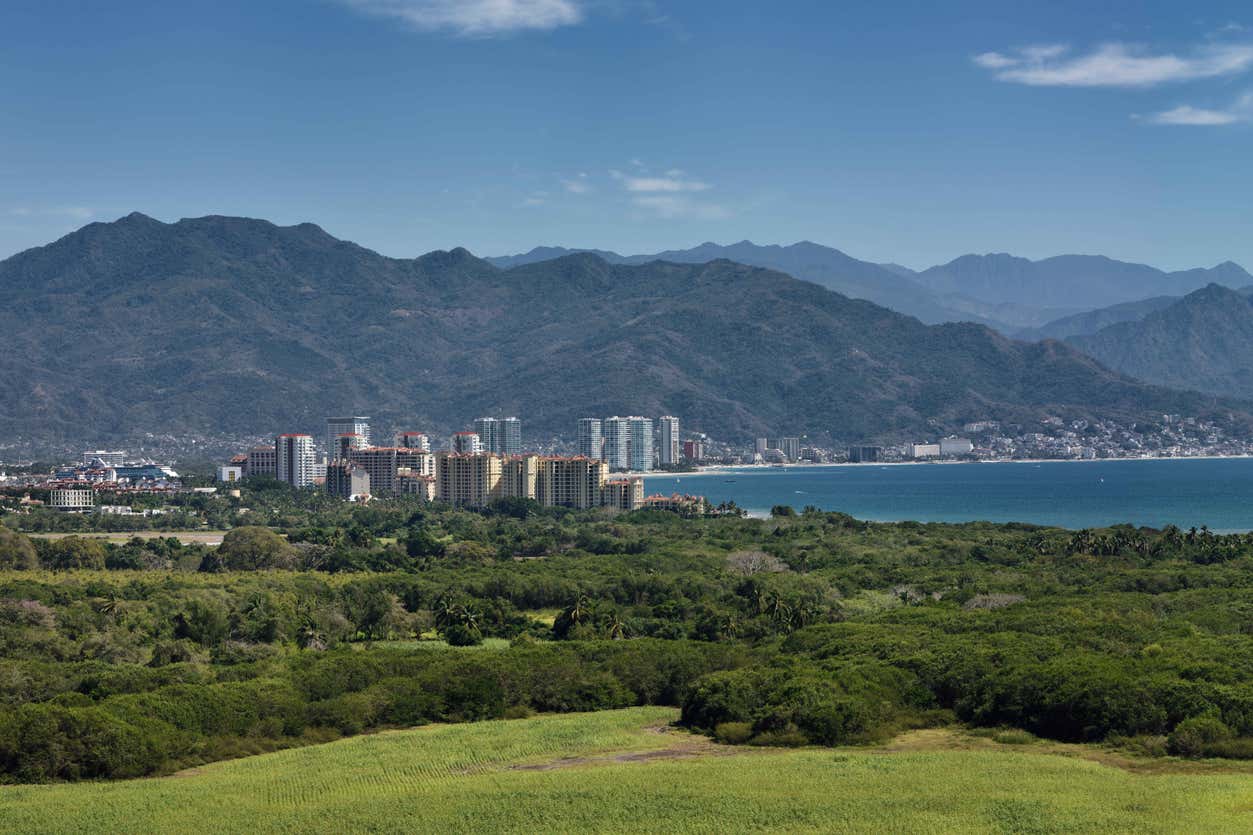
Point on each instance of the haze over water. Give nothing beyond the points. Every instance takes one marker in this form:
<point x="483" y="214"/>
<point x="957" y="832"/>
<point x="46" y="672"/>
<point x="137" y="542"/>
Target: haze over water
<point x="1070" y="494"/>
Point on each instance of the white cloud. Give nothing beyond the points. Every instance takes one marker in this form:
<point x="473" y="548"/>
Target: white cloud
<point x="667" y="184"/>
<point x="476" y="17"/>
<point x="1114" y="65"/>
<point x="1240" y="111"/>
<point x="679" y="206"/>
<point x="668" y="195"/>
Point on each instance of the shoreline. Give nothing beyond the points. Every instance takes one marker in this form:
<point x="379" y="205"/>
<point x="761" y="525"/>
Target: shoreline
<point x="733" y="469"/>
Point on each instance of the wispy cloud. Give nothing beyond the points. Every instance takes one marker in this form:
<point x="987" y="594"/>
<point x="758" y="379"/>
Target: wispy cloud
<point x="1114" y="65"/>
<point x="679" y="206"/>
<point x="668" y="194"/>
<point x="1240" y="111"/>
<point x="476" y="18"/>
<point x="72" y="212"/>
<point x="673" y="181"/>
<point x="577" y="185"/>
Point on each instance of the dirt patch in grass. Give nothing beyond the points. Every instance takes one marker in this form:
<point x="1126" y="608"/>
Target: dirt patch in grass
<point x="681" y="745"/>
<point x="955" y="739"/>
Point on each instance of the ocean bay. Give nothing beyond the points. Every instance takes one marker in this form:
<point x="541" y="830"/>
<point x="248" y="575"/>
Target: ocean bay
<point x="1214" y="492"/>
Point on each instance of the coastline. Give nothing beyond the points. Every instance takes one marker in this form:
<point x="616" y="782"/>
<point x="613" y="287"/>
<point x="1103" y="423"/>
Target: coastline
<point x="733" y="469"/>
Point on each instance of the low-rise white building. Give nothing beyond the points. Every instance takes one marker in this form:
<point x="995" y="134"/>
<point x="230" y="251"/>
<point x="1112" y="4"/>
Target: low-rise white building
<point x="229" y="473"/>
<point x="73" y="499"/>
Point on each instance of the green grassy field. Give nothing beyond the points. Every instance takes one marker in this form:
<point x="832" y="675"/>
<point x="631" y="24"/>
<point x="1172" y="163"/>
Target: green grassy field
<point x="122" y="537"/>
<point x="625" y="771"/>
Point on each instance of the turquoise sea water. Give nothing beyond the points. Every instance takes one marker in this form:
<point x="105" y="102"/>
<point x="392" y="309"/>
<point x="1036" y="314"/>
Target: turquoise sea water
<point x="1070" y="494"/>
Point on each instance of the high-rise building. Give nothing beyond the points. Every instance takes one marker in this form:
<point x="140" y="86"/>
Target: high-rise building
<point x="629" y="443"/>
<point x="790" y="447"/>
<point x="761" y="445"/>
<point x="345" y="444"/>
<point x="467" y="443"/>
<point x="571" y="482"/>
<point x="518" y="476"/>
<point x="618" y="443"/>
<point x="293" y="459"/>
<point x="336" y="426"/>
<point x="414" y="440"/>
<point x="624" y="493"/>
<point x="502" y="436"/>
<point x="668" y="441"/>
<point x="694" y="450"/>
<point x="488" y="430"/>
<point x="641" y="444"/>
<point x="591" y="444"/>
<point x="261" y="462"/>
<point x="511" y="436"/>
<point x="411" y="484"/>
<point x="466" y="479"/>
<point x="347" y="480"/>
<point x="385" y="463"/>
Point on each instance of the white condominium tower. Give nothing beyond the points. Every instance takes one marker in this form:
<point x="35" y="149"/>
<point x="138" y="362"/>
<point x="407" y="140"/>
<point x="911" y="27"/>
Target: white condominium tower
<point x="591" y="444"/>
<point x="502" y="436"/>
<point x="629" y="443"/>
<point x="293" y="459"/>
<point x="641" y="444"/>
<point x="467" y="443"/>
<point x="668" y="440"/>
<point x="336" y="426"/>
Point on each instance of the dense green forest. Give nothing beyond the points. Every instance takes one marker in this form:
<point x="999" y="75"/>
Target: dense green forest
<point x="316" y="619"/>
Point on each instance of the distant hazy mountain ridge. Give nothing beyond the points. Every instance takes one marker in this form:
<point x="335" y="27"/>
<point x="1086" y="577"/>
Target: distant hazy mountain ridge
<point x="1011" y="294"/>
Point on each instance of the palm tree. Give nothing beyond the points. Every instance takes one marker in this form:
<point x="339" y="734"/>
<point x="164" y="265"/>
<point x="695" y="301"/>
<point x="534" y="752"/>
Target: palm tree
<point x="615" y="629"/>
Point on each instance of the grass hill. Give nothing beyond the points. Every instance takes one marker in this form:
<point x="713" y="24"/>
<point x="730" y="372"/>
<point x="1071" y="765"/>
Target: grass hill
<point x="1203" y="341"/>
<point x="623" y="771"/>
<point x="222" y="324"/>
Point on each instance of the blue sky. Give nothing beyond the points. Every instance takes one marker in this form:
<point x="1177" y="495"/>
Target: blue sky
<point x="912" y="132"/>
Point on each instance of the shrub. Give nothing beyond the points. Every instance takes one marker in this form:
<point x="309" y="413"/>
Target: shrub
<point x="461" y="635"/>
<point x="1233" y="749"/>
<point x="1013" y="736"/>
<point x="733" y="733"/>
<point x="17" y="552"/>
<point x="1192" y="736"/>
<point x="254" y="548"/>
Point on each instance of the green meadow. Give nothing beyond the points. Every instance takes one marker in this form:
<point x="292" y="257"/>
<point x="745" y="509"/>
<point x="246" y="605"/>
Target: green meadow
<point x="630" y="771"/>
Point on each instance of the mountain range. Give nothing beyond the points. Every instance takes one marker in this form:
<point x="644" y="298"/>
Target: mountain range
<point x="221" y="324"/>
<point x="1012" y="294"/>
<point x="1203" y="342"/>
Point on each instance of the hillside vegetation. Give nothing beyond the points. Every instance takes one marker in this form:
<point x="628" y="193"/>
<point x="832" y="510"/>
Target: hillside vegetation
<point x="321" y="620"/>
<point x="234" y="325"/>
<point x="1203" y="341"/>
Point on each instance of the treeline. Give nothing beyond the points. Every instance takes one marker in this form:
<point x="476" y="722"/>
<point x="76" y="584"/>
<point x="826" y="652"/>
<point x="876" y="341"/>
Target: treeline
<point x="806" y="628"/>
<point x="131" y="723"/>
